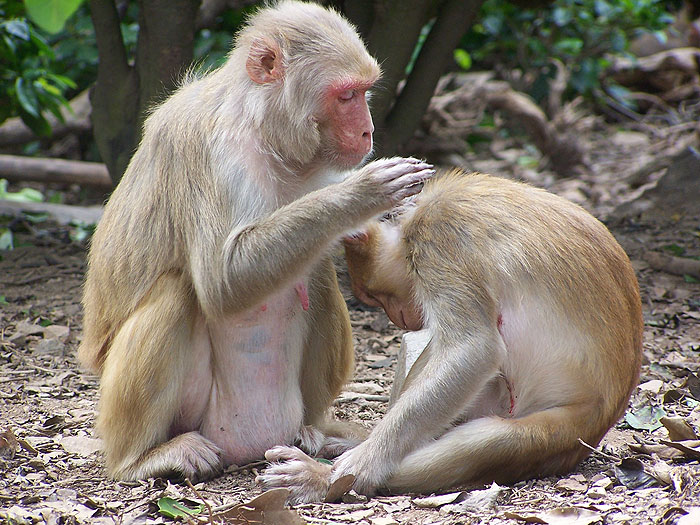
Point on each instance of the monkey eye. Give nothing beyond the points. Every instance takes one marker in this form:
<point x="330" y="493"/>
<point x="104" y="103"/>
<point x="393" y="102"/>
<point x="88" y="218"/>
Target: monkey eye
<point x="346" y="94"/>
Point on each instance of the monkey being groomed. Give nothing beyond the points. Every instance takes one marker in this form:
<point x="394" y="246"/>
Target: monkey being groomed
<point x="212" y="310"/>
<point x="535" y="326"/>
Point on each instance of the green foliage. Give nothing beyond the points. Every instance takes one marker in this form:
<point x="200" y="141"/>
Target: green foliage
<point x="582" y="34"/>
<point x="51" y="15"/>
<point x="173" y="509"/>
<point x="27" y="76"/>
<point x="23" y="195"/>
<point x="6" y="239"/>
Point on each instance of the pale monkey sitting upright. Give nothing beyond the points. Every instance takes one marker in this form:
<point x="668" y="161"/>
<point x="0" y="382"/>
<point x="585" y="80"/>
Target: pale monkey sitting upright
<point x="536" y="336"/>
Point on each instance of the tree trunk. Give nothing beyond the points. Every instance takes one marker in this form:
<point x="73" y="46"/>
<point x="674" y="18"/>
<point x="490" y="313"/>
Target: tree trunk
<point x="399" y="122"/>
<point x="123" y="92"/>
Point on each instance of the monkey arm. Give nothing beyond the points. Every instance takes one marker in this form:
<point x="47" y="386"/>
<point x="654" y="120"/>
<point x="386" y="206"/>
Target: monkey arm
<point x="260" y="257"/>
<point x="450" y="373"/>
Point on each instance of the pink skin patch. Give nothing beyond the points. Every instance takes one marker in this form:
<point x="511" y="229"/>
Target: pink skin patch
<point x="512" y="397"/>
<point x="499" y="325"/>
<point x="303" y="295"/>
<point x="263" y="308"/>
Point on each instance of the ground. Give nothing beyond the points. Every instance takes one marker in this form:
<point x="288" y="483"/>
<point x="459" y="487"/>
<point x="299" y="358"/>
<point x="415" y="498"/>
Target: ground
<point x="51" y="470"/>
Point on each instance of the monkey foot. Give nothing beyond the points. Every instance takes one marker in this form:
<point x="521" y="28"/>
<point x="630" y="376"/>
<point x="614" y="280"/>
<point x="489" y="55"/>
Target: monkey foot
<point x="308" y="480"/>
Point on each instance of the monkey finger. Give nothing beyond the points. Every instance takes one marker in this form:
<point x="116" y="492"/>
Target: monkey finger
<point x="412" y="183"/>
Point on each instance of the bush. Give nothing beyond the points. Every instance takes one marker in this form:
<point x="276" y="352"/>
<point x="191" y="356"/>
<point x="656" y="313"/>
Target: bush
<point x="582" y="34"/>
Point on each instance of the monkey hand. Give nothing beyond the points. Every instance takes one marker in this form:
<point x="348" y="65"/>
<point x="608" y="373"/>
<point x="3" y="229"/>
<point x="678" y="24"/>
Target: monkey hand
<point x="307" y="479"/>
<point x="385" y="182"/>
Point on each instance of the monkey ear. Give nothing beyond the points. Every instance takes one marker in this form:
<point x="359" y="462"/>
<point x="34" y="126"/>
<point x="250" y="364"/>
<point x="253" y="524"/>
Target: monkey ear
<point x="264" y="62"/>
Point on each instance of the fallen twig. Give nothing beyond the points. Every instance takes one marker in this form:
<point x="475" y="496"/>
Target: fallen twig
<point x="673" y="265"/>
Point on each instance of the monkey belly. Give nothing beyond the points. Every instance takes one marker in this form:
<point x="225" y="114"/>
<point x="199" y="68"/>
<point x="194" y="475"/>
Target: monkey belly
<point x="243" y="391"/>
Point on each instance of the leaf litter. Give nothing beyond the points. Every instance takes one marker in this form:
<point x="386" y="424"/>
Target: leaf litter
<point x="646" y="470"/>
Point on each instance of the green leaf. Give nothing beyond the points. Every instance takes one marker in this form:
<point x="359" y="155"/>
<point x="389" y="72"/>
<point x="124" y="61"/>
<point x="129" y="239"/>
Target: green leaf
<point x="463" y="59"/>
<point x="172" y="509"/>
<point x="51" y="15"/>
<point x="38" y="125"/>
<point x="23" y="195"/>
<point x="324" y="461"/>
<point x="6" y="239"/>
<point x="562" y="16"/>
<point x="18" y="28"/>
<point x="571" y="46"/>
<point x="45" y="322"/>
<point x="36" y="218"/>
<point x="646" y="418"/>
<point x="3" y="301"/>
<point x="27" y="97"/>
<point x="676" y="250"/>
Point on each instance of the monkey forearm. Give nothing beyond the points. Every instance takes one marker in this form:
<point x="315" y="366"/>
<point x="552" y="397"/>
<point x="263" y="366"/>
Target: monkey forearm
<point x="445" y="386"/>
<point x="260" y="257"/>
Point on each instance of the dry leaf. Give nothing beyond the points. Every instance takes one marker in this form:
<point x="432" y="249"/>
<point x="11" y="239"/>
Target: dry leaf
<point x="384" y="521"/>
<point x="661" y="471"/>
<point x="434" y="502"/>
<point x="23" y="329"/>
<point x="266" y="509"/>
<point x="57" y="331"/>
<point x="654" y="386"/>
<point x="630" y="472"/>
<point x="358" y="515"/>
<point x="570" y="516"/>
<point x="571" y="485"/>
<point x="678" y="429"/>
<point x="690" y="448"/>
<point x="8" y="444"/>
<point x="692" y="518"/>
<point x="662" y="451"/>
<point x="477" y="500"/>
<point x="339" y="488"/>
<point x="81" y="445"/>
<point x="596" y="493"/>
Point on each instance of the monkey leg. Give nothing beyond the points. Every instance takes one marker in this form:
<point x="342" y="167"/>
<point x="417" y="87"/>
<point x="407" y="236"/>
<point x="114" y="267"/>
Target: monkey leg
<point x="327" y="365"/>
<point x="502" y="450"/>
<point x="141" y="390"/>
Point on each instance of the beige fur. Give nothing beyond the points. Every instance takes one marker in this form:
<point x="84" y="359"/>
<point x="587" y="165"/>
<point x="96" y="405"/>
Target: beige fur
<point x="196" y="313"/>
<point x="536" y="327"/>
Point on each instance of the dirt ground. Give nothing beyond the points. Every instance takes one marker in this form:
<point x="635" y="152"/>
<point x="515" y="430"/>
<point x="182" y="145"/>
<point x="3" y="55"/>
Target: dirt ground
<point x="51" y="469"/>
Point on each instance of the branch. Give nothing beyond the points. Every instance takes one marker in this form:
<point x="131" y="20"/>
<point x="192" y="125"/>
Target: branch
<point x="391" y="40"/>
<point x="17" y="168"/>
<point x="455" y="18"/>
<point x="674" y="265"/>
<point x="61" y="213"/>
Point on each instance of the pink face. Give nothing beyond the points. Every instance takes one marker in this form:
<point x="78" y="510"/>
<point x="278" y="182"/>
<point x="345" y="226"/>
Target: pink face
<point x="349" y="121"/>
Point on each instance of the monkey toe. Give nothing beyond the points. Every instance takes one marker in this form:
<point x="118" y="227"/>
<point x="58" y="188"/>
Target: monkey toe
<point x="310" y="440"/>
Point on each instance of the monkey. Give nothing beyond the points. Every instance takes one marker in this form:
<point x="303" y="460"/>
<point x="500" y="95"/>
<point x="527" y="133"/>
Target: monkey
<point x="535" y="340"/>
<point x="212" y="312"/>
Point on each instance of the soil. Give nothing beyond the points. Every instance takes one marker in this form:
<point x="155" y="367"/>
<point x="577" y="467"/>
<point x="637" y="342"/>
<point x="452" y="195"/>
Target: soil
<point x="51" y="469"/>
